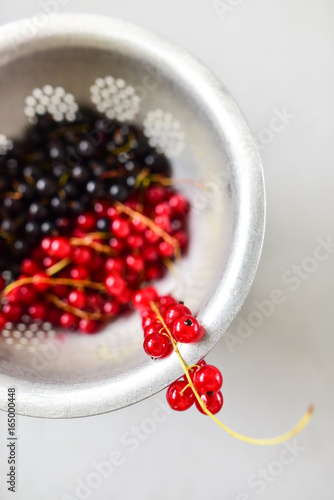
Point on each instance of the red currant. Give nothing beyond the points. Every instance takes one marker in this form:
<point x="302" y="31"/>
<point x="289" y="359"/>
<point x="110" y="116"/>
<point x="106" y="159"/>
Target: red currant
<point x="120" y="228"/>
<point x="12" y="312"/>
<point x="143" y="297"/>
<point x="174" y="311"/>
<point x="82" y="255"/>
<point x="185" y="329"/>
<point x="3" y="321"/>
<point x="60" y="248"/>
<point x="88" y="326"/>
<point x="178" y="397"/>
<point x="156" y="345"/>
<point x="77" y="298"/>
<point x="87" y="221"/>
<point x="38" y="311"/>
<point x="115" y="284"/>
<point x="214" y="402"/>
<point x="208" y="379"/>
<point x="68" y="321"/>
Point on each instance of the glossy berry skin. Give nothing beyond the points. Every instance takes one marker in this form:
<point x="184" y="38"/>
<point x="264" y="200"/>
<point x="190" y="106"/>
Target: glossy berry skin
<point x="174" y="311"/>
<point x="214" y="403"/>
<point x="115" y="284"/>
<point x="68" y="321"/>
<point x="59" y="248"/>
<point x="178" y="401"/>
<point x="156" y="345"/>
<point x="88" y="326"/>
<point x="142" y="298"/>
<point x="185" y="329"/>
<point x="3" y="321"/>
<point x="207" y="379"/>
<point x="12" y="312"/>
<point x="77" y="298"/>
<point x="153" y="327"/>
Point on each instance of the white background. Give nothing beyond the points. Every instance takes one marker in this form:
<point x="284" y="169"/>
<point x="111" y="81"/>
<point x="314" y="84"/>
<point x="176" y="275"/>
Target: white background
<point x="272" y="55"/>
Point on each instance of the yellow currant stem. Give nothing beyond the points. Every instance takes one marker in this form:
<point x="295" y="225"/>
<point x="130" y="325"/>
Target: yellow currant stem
<point x="143" y="176"/>
<point x="261" y="442"/>
<point x="74" y="310"/>
<point x="58" y="267"/>
<point x="184" y="388"/>
<point x="88" y="242"/>
<point x="99" y="235"/>
<point x="149" y="223"/>
<point x="54" y="281"/>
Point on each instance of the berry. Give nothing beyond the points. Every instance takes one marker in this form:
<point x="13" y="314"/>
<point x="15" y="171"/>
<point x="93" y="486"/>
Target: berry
<point x="214" y="402"/>
<point x="153" y="327"/>
<point x="115" y="284"/>
<point x="143" y="297"/>
<point x="174" y="311"/>
<point x="207" y="379"/>
<point x="185" y="329"/>
<point x="156" y="345"/>
<point x="38" y="311"/>
<point x="39" y="282"/>
<point x="88" y="326"/>
<point x="60" y="248"/>
<point x="87" y="221"/>
<point x="120" y="228"/>
<point x="3" y="321"/>
<point x="68" y="321"/>
<point x="81" y="255"/>
<point x="79" y="273"/>
<point x="12" y="312"/>
<point x="178" y="397"/>
<point x="77" y="298"/>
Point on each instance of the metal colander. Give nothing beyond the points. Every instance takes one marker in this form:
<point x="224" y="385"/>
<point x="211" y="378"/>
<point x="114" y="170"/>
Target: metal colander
<point x="131" y="74"/>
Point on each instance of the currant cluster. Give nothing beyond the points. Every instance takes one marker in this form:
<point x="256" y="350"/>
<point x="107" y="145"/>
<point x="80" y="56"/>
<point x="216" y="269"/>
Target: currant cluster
<point x="167" y="322"/>
<point x="61" y="169"/>
<point x="89" y="273"/>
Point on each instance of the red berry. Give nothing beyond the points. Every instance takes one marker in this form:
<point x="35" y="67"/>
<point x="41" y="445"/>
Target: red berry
<point x="163" y="208"/>
<point x="79" y="273"/>
<point x="60" y="248"/>
<point x="30" y="267"/>
<point x="214" y="402"/>
<point x="60" y="290"/>
<point x="185" y="329"/>
<point x="208" y="379"/>
<point x="125" y="297"/>
<point x="143" y="297"/>
<point x="12" y="312"/>
<point x="68" y="321"/>
<point x="116" y="244"/>
<point x="38" y="311"/>
<point x="49" y="261"/>
<point x="156" y="345"/>
<point x="112" y="212"/>
<point x="114" y="264"/>
<point x="135" y="263"/>
<point x="81" y="255"/>
<point x="87" y="221"/>
<point x="115" y="284"/>
<point x="163" y="221"/>
<point x="179" y="204"/>
<point x="155" y="194"/>
<point x="174" y="311"/>
<point x="111" y="308"/>
<point x="77" y="298"/>
<point x="147" y="320"/>
<point x="166" y="249"/>
<point x="135" y="241"/>
<point x="40" y="283"/>
<point x="178" y="401"/>
<point x="26" y="294"/>
<point x="154" y="271"/>
<point x="88" y="326"/>
<point x="151" y="237"/>
<point x="3" y="321"/>
<point x="138" y="225"/>
<point x="120" y="228"/>
<point x="150" y="253"/>
<point x="153" y="327"/>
